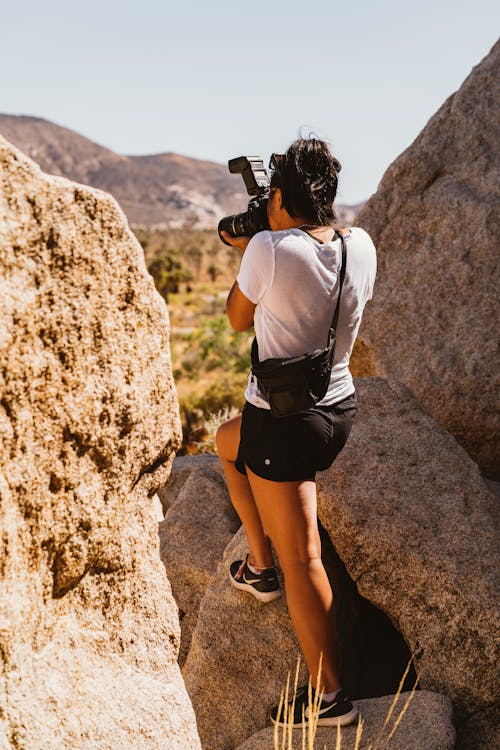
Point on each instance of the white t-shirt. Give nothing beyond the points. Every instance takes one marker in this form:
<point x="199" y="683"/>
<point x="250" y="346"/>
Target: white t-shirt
<point x="294" y="280"/>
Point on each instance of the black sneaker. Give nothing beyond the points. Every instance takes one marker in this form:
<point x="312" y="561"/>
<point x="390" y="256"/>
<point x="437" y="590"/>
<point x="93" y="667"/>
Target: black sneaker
<point x="339" y="712"/>
<point x="264" y="586"/>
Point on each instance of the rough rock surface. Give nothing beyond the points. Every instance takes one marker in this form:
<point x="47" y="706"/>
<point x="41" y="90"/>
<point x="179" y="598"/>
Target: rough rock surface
<point x="182" y="468"/>
<point x="89" y="632"/>
<point x="372" y="655"/>
<point x="435" y="222"/>
<point x="197" y="528"/>
<point x="243" y="649"/>
<point x="416" y="526"/>
<point x="425" y="725"/>
<point x="481" y="731"/>
<point x="413" y="520"/>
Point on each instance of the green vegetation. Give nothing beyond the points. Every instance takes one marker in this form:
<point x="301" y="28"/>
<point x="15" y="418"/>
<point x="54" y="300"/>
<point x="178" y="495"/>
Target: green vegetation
<point x="194" y="271"/>
<point x="212" y="346"/>
<point x="183" y="255"/>
<point x="168" y="272"/>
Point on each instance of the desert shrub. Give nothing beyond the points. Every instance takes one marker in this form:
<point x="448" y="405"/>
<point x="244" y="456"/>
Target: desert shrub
<point x="197" y="410"/>
<point x="210" y="361"/>
<point x="215" y="345"/>
<point x="212" y="424"/>
<point x="199" y="251"/>
<point x="167" y="270"/>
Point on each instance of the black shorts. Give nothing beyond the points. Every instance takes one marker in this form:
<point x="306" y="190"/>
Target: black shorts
<point x="294" y="448"/>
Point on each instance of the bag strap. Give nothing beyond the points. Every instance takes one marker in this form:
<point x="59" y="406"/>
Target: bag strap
<point x="333" y="326"/>
<point x="343" y="264"/>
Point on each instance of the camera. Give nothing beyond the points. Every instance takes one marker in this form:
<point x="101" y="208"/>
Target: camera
<point x="257" y="182"/>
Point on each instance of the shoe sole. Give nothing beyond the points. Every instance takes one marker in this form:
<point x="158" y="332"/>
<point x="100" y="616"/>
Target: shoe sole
<point x="262" y="596"/>
<point x="327" y="721"/>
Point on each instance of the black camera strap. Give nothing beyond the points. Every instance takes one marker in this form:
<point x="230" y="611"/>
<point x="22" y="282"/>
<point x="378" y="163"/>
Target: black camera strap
<point x="333" y="326"/>
<point x="343" y="264"/>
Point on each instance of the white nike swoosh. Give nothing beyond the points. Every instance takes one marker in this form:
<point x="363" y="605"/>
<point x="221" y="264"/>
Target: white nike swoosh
<point x="251" y="580"/>
<point x="321" y="711"/>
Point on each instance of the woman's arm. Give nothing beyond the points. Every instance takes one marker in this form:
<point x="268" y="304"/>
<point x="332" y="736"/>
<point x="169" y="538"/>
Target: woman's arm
<point x="239" y="309"/>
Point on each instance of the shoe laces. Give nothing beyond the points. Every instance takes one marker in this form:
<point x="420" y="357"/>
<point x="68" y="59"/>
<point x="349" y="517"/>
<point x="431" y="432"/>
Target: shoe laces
<point x="241" y="568"/>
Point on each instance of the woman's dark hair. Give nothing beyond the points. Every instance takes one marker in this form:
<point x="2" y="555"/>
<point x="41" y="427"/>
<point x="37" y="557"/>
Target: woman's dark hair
<point x="308" y="176"/>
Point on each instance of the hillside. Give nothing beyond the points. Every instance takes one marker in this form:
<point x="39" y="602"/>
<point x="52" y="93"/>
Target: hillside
<point x="158" y="189"/>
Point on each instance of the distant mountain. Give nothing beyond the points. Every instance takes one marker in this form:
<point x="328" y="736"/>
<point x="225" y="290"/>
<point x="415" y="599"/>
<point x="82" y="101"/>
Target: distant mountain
<point x="157" y="190"/>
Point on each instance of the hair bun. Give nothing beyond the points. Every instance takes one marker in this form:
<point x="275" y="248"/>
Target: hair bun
<point x="308" y="180"/>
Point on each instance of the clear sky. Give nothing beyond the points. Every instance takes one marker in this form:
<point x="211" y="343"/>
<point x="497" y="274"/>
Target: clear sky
<point x="223" y="78"/>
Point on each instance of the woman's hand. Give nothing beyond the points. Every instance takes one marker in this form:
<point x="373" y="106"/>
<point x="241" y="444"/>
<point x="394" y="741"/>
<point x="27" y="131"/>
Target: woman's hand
<point x="239" y="242"/>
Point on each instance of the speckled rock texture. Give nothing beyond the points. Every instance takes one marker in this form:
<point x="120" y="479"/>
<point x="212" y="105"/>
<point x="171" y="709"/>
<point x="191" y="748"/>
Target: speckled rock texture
<point x="435" y="222"/>
<point x="242" y="649"/>
<point x="197" y="528"/>
<point x="426" y="724"/>
<point x="482" y="731"/>
<point x="182" y="468"/>
<point x="417" y="528"/>
<point x="89" y="424"/>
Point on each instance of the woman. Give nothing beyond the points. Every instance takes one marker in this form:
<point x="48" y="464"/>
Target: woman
<point x="287" y="286"/>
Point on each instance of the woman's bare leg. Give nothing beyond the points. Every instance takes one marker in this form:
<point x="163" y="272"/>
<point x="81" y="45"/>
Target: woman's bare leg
<point x="288" y="512"/>
<point x="259" y="545"/>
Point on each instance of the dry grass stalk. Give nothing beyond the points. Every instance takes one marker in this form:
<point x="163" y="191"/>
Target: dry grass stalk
<point x="359" y="732"/>
<point x="313" y="704"/>
<point x="393" y="704"/>
<point x="402" y="712"/>
<point x="211" y="426"/>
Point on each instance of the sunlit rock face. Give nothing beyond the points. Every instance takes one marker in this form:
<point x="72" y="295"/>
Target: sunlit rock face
<point x="89" y="425"/>
<point x="408" y="531"/>
<point x="198" y="526"/>
<point x="416" y="526"/>
<point x="434" y="220"/>
<point x="418" y="721"/>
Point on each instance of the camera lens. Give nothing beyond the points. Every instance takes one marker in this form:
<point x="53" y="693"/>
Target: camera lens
<point x="235" y="226"/>
<point x="248" y="223"/>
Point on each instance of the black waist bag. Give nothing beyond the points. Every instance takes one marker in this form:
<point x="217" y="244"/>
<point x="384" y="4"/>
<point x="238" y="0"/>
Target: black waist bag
<point x="294" y="384"/>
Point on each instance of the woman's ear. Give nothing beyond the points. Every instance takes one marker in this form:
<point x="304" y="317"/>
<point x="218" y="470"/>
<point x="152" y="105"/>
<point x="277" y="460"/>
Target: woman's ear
<point x="275" y="210"/>
<point x="276" y="198"/>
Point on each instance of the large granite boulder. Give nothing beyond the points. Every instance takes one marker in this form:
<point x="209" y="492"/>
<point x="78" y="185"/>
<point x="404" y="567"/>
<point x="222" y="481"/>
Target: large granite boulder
<point x="422" y="721"/>
<point x="434" y="220"/>
<point x="197" y="528"/>
<point x="240" y="653"/>
<point x="89" y="424"/>
<point x="417" y="528"/>
<point x="407" y="512"/>
<point x="182" y="468"/>
<point x="244" y="649"/>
